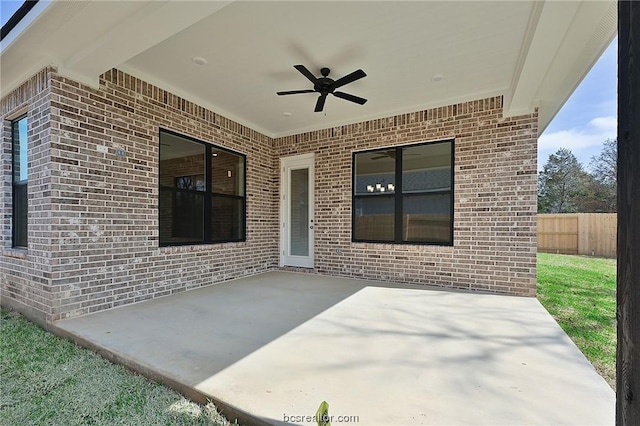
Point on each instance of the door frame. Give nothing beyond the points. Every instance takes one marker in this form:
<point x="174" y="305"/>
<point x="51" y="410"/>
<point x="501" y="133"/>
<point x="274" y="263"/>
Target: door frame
<point x="287" y="164"/>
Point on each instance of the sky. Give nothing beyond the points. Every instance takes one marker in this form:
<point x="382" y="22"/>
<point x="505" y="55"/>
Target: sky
<point x="587" y="119"/>
<point x="7" y="8"/>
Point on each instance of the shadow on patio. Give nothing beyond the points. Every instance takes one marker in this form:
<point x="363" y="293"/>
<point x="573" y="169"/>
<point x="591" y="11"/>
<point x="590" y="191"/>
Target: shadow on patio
<point x="277" y="344"/>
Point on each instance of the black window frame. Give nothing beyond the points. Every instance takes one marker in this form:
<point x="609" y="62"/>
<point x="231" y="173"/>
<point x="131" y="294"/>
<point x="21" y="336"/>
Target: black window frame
<point x="208" y="194"/>
<point x="398" y="195"/>
<point x="19" y="190"/>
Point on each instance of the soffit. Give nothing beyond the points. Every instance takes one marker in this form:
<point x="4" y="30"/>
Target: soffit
<point x="532" y="53"/>
<point x="251" y="48"/>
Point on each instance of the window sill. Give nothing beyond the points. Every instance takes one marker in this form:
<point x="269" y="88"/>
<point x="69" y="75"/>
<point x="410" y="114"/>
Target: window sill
<point x="16" y="253"/>
<point x="394" y="245"/>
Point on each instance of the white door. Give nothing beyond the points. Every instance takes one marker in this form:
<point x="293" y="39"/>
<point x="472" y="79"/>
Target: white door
<point x="296" y="211"/>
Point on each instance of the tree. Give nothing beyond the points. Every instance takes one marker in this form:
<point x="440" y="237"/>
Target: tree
<point x="595" y="197"/>
<point x="604" y="173"/>
<point x="604" y="166"/>
<point x="561" y="183"/>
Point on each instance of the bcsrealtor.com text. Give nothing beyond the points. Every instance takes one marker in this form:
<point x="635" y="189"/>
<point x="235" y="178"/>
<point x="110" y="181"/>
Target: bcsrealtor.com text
<point x="315" y="419"/>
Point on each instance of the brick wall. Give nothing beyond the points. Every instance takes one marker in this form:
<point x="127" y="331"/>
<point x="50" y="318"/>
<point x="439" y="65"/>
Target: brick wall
<point x="93" y="218"/>
<point x="494" y="207"/>
<point x="25" y="278"/>
<point x="103" y="210"/>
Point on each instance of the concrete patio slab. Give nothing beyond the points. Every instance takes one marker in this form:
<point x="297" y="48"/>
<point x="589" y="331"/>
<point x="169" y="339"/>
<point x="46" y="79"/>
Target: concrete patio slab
<point x="277" y="344"/>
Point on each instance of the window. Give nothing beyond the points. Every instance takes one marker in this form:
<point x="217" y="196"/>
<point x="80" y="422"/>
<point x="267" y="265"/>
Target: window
<point x="404" y="194"/>
<point x="202" y="192"/>
<point x="19" y="167"/>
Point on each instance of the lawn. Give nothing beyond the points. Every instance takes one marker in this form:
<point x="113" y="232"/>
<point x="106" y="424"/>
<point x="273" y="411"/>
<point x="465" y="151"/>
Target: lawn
<point x="46" y="380"/>
<point x="580" y="293"/>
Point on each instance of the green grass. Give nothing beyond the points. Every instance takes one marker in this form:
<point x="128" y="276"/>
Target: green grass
<point x="580" y="293"/>
<point x="46" y="380"/>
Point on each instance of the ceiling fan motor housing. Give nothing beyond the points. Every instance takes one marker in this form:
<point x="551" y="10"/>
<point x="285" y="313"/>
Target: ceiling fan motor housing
<point x="323" y="86"/>
<point x="326" y="86"/>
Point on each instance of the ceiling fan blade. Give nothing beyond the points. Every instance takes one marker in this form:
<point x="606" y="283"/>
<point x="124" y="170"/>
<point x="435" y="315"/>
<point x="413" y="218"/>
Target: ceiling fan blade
<point x="295" y="92"/>
<point x="348" y="97"/>
<point x="304" y="71"/>
<point x="356" y="75"/>
<point x="320" y="103"/>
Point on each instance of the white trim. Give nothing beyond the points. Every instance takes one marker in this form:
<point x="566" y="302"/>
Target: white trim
<point x="17" y="113"/>
<point x="286" y="165"/>
<point x="28" y="20"/>
<point x="292" y="158"/>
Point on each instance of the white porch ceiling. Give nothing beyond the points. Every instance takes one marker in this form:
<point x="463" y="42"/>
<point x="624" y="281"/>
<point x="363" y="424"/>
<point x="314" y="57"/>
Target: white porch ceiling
<point x="533" y="53"/>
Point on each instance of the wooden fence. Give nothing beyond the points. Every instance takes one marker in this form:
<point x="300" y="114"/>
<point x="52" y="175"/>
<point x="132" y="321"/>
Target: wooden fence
<point x="591" y="234"/>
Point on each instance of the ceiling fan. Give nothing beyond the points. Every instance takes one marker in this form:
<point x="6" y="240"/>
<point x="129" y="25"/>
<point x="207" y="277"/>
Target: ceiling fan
<point x="325" y="86"/>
